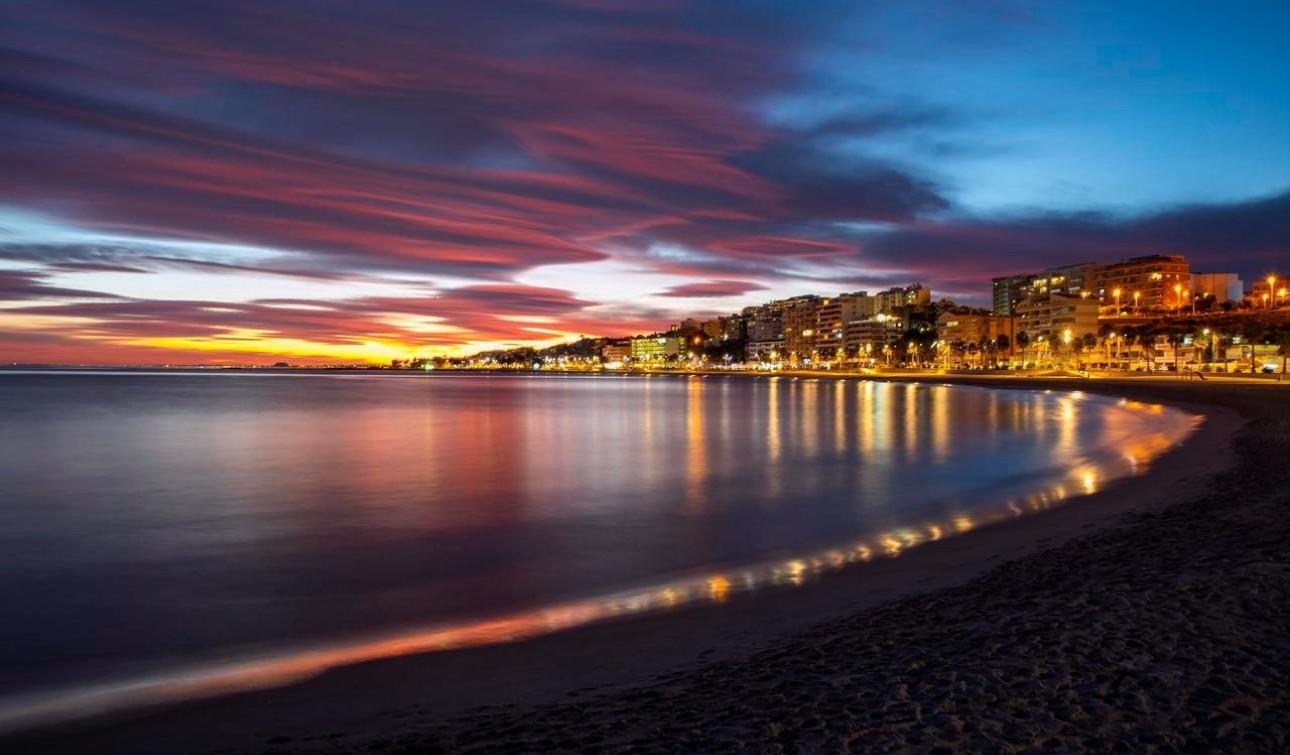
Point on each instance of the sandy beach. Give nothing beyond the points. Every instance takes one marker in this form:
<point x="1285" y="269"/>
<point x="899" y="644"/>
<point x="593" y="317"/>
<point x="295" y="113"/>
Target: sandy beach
<point x="1152" y="616"/>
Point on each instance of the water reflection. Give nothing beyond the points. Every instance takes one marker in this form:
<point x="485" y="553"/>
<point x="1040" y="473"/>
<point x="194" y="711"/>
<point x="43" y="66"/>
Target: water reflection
<point x="714" y="588"/>
<point x="331" y="512"/>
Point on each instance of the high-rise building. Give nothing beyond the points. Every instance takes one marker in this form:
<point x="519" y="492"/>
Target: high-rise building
<point x="1073" y="280"/>
<point x="971" y="327"/>
<point x="1009" y="290"/>
<point x="655" y="348"/>
<point x="914" y="295"/>
<point x="800" y="319"/>
<point x="1155" y="283"/>
<point x="836" y="311"/>
<point x="1050" y="316"/>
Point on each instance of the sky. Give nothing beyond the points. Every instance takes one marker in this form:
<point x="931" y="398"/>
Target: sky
<point x="249" y="182"/>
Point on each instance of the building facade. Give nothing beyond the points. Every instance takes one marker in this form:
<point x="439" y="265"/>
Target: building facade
<point x="1156" y="283"/>
<point x="616" y="350"/>
<point x="655" y="348"/>
<point x="1009" y="290"/>
<point x="800" y="319"/>
<point x="1050" y="318"/>
<point x="1221" y="288"/>
<point x="836" y="311"/>
<point x="972" y="328"/>
<point x="870" y="334"/>
<point x="914" y="295"/>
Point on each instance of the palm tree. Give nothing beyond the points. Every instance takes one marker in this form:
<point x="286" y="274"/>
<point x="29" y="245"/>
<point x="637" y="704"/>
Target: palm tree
<point x="1001" y="342"/>
<point x="1283" y="342"/>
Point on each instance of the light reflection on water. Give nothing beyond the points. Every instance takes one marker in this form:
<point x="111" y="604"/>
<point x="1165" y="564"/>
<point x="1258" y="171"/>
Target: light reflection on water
<point x="696" y="472"/>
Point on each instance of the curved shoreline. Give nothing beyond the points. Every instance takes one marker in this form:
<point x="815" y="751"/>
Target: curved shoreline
<point x="1132" y="449"/>
<point x="540" y="670"/>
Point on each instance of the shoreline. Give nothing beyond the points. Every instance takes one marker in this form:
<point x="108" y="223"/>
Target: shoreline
<point x="539" y="671"/>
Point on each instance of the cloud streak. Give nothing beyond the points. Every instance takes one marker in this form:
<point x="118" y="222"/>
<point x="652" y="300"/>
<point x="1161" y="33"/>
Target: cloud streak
<point x="462" y="150"/>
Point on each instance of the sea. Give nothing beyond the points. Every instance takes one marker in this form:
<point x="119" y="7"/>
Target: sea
<point x="166" y="533"/>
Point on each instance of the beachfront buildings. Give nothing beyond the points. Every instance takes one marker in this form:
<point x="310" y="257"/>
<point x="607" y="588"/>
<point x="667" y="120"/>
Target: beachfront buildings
<point x="973" y="328"/>
<point x="1010" y="289"/>
<point x="871" y="334"/>
<point x="800" y="320"/>
<point x="655" y="348"/>
<point x="1154" y="283"/>
<point x="1151" y="285"/>
<point x="1272" y="291"/>
<point x="616" y="350"/>
<point x="813" y="327"/>
<point x="1216" y="289"/>
<point x="1057" y="318"/>
<point x="836" y="311"/>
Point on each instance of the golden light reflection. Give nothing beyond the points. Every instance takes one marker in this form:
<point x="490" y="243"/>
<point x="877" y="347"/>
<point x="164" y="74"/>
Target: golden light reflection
<point x="941" y="423"/>
<point x="911" y="418"/>
<point x="772" y="421"/>
<point x="1137" y="439"/>
<point x="696" y="461"/>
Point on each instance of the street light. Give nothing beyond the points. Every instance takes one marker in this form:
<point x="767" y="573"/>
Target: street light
<point x="1116" y="293"/>
<point x="1272" y="282"/>
<point x="1177" y="299"/>
<point x="1136" y="308"/>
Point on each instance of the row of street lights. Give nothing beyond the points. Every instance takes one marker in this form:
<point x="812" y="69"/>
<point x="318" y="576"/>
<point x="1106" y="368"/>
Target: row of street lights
<point x="1273" y="297"/>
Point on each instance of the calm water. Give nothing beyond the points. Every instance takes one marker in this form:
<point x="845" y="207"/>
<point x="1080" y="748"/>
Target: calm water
<point x="152" y="522"/>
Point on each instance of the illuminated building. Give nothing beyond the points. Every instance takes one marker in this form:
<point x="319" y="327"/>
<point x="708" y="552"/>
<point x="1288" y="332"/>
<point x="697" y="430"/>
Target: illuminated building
<point x="654" y="348"/>
<point x="616" y="350"/>
<point x="914" y="295"/>
<point x="836" y="311"/>
<point x="1009" y="290"/>
<point x="1048" y="317"/>
<point x="872" y="333"/>
<point x="971" y="327"/>
<point x="1147" y="283"/>
<point x="800" y="319"/>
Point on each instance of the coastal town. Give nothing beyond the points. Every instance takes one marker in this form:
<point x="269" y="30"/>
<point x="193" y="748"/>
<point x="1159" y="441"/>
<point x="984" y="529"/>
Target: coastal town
<point x="1143" y="314"/>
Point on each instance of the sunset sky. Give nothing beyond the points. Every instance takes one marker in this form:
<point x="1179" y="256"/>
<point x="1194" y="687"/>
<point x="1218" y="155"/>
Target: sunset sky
<point x="243" y="182"/>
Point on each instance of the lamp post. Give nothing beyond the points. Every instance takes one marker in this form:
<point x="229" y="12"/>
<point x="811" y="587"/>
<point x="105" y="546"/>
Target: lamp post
<point x="1136" y="296"/>
<point x="1066" y="339"/>
<point x="1177" y="299"/>
<point x="1116" y="293"/>
<point x="1272" y="282"/>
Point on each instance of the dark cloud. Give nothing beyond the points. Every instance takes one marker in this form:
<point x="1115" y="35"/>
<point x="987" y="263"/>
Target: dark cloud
<point x="18" y="285"/>
<point x="1243" y="237"/>
<point x="713" y="288"/>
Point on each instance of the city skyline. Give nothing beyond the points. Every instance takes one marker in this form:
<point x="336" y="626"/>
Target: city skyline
<point x="327" y="186"/>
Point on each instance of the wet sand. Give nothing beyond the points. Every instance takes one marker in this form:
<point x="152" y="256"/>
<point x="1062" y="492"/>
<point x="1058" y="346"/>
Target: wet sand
<point x="1150" y="617"/>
